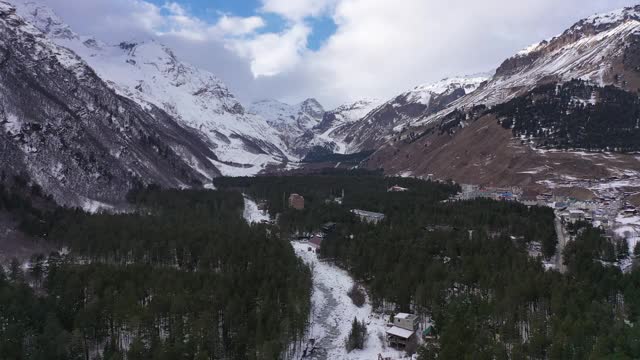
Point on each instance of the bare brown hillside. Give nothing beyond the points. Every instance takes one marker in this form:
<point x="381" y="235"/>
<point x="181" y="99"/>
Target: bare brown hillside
<point x="487" y="154"/>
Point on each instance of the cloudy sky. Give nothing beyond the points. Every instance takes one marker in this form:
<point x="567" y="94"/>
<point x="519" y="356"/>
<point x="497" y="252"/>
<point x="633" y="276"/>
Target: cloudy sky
<point x="334" y="50"/>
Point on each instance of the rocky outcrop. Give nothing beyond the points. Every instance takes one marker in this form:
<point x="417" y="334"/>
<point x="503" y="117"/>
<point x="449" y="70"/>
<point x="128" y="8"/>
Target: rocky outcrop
<point x="380" y="125"/>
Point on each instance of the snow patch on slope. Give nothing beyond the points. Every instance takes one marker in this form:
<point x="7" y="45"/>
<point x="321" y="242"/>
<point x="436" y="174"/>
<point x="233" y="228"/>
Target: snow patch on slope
<point x="339" y="118"/>
<point x="612" y="17"/>
<point x="352" y="112"/>
<point x="252" y="214"/>
<point x="423" y="93"/>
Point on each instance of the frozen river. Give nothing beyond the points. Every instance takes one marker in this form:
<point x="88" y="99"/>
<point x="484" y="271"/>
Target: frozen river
<point x="333" y="312"/>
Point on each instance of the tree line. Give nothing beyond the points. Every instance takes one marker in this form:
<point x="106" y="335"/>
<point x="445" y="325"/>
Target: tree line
<point x="575" y="115"/>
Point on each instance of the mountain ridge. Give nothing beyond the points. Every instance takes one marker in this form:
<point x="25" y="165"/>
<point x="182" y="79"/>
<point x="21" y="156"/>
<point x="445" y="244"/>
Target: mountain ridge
<point x="149" y="72"/>
<point x="602" y="50"/>
<point x="69" y="132"/>
<point x="208" y="132"/>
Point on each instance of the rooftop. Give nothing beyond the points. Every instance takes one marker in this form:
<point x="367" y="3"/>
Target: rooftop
<point x="400" y="332"/>
<point x="367" y="213"/>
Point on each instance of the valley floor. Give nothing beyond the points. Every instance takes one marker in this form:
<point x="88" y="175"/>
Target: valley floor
<point x="333" y="313"/>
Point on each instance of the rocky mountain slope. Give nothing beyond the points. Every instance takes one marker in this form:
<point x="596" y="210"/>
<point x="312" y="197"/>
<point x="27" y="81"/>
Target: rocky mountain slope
<point x="73" y="134"/>
<point x="512" y="128"/>
<point x="363" y="125"/>
<point x="292" y="122"/>
<point x="150" y="74"/>
<point x="335" y="122"/>
<point x="379" y="125"/>
<point x="602" y="49"/>
<point x="307" y="126"/>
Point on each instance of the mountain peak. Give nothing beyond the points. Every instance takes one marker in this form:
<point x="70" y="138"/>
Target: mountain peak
<point x="589" y="26"/>
<point x="45" y="19"/>
<point x="310" y="101"/>
<point x="277" y="112"/>
<point x="312" y="107"/>
<point x="447" y="84"/>
<point x="613" y="17"/>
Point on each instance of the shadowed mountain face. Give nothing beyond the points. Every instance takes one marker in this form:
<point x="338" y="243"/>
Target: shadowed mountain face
<point x="153" y="75"/>
<point x="68" y="131"/>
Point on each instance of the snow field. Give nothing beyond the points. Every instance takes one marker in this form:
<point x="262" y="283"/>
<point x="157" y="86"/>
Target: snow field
<point x="251" y="212"/>
<point x="333" y="313"/>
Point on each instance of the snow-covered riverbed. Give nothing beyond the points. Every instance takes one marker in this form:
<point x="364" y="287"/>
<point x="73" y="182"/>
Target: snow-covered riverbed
<point x="251" y="212"/>
<point x="333" y="312"/>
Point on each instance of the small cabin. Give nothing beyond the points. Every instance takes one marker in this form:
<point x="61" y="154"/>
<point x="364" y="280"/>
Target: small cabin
<point x="296" y="201"/>
<point x="316" y="241"/>
<point x="576" y="215"/>
<point x="406" y="321"/>
<point x="329" y="227"/>
<point x="402" y="339"/>
<point x="629" y="211"/>
<point x="402" y="333"/>
<point x="397" y="188"/>
<point x="429" y="333"/>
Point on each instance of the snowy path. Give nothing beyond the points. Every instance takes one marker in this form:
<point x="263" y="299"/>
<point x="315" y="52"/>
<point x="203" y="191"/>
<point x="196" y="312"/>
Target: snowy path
<point x="562" y="242"/>
<point x="628" y="228"/>
<point x="251" y="212"/>
<point x="333" y="313"/>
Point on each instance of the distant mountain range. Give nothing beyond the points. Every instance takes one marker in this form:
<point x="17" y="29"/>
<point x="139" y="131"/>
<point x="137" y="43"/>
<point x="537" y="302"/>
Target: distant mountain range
<point x="88" y="120"/>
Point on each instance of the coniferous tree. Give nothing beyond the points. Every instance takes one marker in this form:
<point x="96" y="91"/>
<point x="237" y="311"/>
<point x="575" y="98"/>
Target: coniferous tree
<point x="622" y="248"/>
<point x="15" y="270"/>
<point x="357" y="336"/>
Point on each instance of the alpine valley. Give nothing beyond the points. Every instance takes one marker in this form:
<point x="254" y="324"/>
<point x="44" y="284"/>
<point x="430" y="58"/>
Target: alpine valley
<point x="137" y="113"/>
<point x="146" y="212"/>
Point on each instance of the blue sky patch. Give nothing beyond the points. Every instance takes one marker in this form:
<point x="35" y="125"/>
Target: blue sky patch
<point x="210" y="11"/>
<point x="322" y="28"/>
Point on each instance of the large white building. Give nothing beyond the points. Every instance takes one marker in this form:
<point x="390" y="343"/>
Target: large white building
<point x="368" y="216"/>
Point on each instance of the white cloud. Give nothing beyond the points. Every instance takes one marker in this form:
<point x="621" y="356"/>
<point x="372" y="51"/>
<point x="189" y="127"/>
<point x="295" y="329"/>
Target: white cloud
<point x="383" y="47"/>
<point x="234" y="25"/>
<point x="271" y="54"/>
<point x="179" y="23"/>
<point x="296" y="10"/>
<point x="380" y="48"/>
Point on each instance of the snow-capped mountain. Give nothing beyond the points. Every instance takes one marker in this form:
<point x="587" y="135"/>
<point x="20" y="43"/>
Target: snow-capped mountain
<point x="67" y="130"/>
<point x="346" y="114"/>
<point x="478" y="137"/>
<point x="601" y="49"/>
<point x="109" y="115"/>
<point x="380" y="123"/>
<point x="307" y="125"/>
<point x="150" y="73"/>
<point x="300" y="117"/>
<point x="328" y="130"/>
<point x="292" y="122"/>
